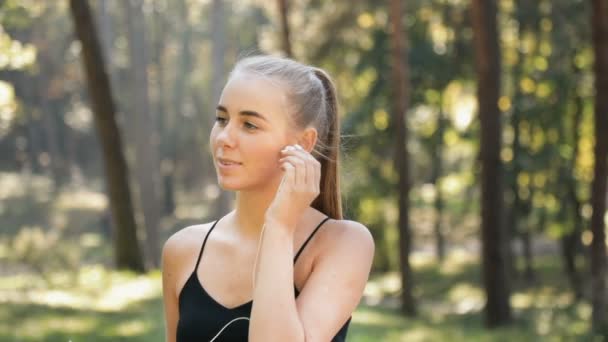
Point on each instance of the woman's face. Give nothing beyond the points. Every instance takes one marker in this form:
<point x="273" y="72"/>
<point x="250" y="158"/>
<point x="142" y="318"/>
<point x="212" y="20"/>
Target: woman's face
<point x="251" y="128"/>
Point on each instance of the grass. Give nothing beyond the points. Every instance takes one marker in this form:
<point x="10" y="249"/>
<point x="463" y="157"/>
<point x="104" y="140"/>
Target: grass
<point x="96" y="304"/>
<point x="450" y="305"/>
<point x="54" y="285"/>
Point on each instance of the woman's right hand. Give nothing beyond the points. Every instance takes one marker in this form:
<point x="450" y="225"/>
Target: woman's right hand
<point x="299" y="187"/>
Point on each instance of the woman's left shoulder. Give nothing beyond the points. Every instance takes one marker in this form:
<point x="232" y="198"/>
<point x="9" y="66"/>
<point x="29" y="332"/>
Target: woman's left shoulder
<point x="351" y="234"/>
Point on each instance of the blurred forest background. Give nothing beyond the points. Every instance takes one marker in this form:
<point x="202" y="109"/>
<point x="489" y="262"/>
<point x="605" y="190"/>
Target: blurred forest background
<point x="471" y="134"/>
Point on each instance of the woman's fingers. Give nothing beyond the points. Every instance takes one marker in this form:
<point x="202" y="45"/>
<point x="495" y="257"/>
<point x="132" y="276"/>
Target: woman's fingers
<point x="289" y="175"/>
<point x="313" y="169"/>
<point x="299" y="169"/>
<point x="307" y="168"/>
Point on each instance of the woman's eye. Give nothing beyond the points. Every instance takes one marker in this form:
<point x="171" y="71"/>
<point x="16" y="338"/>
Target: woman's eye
<point x="223" y="121"/>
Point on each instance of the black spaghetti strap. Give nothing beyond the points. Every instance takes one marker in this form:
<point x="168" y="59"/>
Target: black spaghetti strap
<point x="307" y="240"/>
<point x="203" y="245"/>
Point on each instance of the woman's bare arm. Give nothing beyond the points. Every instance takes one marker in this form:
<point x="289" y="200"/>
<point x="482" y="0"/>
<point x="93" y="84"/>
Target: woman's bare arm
<point x="335" y="286"/>
<point x="169" y="272"/>
<point x="332" y="291"/>
<point x="274" y="316"/>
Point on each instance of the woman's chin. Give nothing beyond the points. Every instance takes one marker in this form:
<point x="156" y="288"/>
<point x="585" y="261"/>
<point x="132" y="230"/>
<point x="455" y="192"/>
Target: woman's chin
<point x="241" y="184"/>
<point x="229" y="186"/>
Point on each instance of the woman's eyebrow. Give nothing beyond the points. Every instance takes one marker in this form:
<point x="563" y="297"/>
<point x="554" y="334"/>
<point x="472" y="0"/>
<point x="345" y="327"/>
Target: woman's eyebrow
<point x="243" y="112"/>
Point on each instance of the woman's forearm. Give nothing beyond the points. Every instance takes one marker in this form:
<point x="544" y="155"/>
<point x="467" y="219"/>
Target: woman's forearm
<point x="274" y="316"/>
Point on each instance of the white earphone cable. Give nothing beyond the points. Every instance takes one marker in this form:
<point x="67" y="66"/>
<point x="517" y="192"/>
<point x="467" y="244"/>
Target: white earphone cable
<point x="225" y="326"/>
<point x="253" y="282"/>
<point x="257" y="255"/>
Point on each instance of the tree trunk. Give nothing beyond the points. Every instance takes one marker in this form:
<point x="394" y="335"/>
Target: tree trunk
<point x="526" y="240"/>
<point x="519" y="212"/>
<point x="105" y="33"/>
<point x="147" y="163"/>
<point x="184" y="122"/>
<point x="400" y="103"/>
<point x="285" y="38"/>
<point x="161" y="116"/>
<point x="218" y="49"/>
<point x="437" y="171"/>
<point x="48" y="115"/>
<point x="126" y="247"/>
<point x="569" y="246"/>
<point x="516" y="217"/>
<point x="51" y="133"/>
<point x="493" y="234"/>
<point x="223" y="203"/>
<point x="571" y="241"/>
<point x="599" y="20"/>
<point x="32" y="145"/>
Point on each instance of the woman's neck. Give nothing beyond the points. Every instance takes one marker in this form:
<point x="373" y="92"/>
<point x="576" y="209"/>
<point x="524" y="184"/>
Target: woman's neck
<point x="250" y="209"/>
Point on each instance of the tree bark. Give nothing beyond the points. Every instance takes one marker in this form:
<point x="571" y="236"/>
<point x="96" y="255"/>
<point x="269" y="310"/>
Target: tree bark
<point x="493" y="234"/>
<point x="571" y="241"/>
<point x="599" y="21"/>
<point x="160" y="112"/>
<point x="437" y="171"/>
<point x="400" y="103"/>
<point x="105" y="33"/>
<point x="516" y="220"/>
<point x="147" y="162"/>
<point x="126" y="247"/>
<point x="285" y="32"/>
<point x="218" y="47"/>
<point x="183" y="122"/>
<point x="40" y="90"/>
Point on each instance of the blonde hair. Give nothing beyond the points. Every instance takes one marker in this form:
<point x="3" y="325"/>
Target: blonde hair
<point x="313" y="102"/>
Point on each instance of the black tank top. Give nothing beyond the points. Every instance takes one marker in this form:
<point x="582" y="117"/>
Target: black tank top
<point x="202" y="319"/>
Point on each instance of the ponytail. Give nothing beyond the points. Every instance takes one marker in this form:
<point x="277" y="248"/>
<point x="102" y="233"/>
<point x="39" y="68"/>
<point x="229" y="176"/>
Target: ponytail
<point x="329" y="200"/>
<point x="313" y="100"/>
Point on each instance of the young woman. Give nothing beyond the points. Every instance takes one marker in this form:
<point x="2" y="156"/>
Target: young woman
<point x="283" y="265"/>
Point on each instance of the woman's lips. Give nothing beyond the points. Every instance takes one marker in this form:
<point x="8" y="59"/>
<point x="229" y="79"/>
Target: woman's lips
<point x="226" y="164"/>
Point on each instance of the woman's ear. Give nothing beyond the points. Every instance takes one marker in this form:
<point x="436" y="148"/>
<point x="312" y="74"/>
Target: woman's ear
<point x="308" y="139"/>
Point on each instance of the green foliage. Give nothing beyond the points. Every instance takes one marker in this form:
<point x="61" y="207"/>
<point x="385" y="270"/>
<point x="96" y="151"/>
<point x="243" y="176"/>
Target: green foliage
<point x="16" y="14"/>
<point x="46" y="132"/>
<point x="43" y="252"/>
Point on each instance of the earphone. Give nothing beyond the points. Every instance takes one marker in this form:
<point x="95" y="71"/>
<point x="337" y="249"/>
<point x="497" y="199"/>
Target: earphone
<point x="225" y="326"/>
<point x="253" y="275"/>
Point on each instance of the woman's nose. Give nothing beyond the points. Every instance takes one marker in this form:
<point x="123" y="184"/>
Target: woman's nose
<point x="226" y="135"/>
